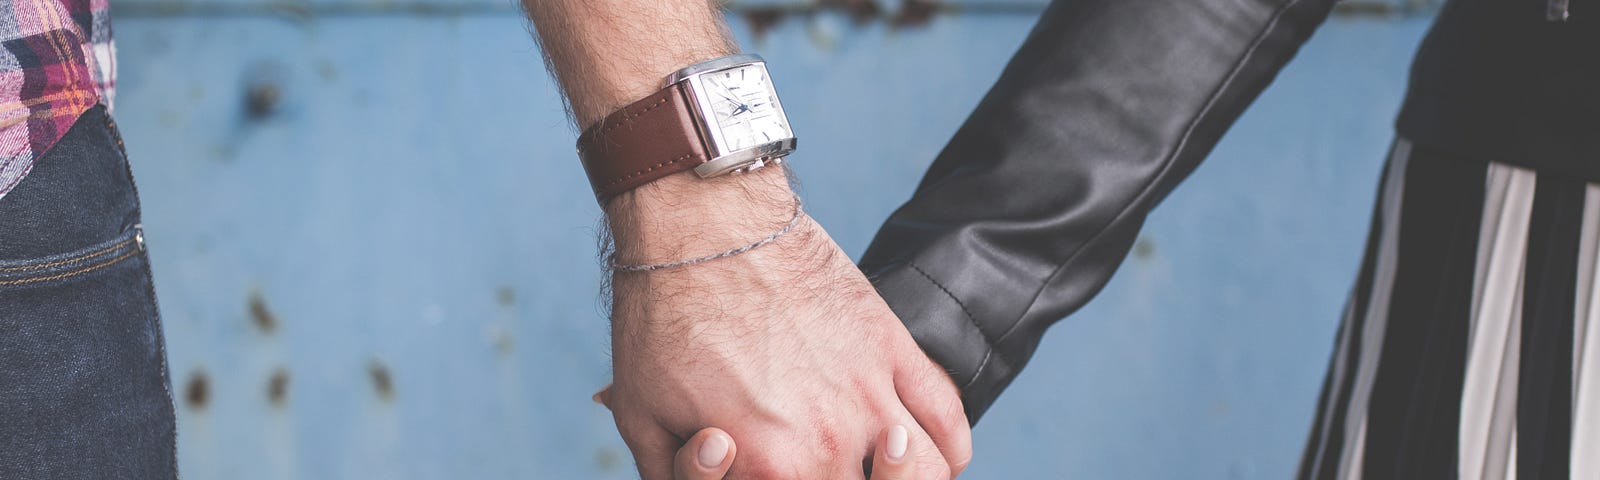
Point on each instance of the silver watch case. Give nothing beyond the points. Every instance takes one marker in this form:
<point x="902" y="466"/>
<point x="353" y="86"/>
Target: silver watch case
<point x="722" y="161"/>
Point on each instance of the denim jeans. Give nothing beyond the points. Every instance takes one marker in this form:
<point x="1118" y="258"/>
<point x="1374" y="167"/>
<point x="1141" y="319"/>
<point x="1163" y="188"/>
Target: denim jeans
<point x="84" y="391"/>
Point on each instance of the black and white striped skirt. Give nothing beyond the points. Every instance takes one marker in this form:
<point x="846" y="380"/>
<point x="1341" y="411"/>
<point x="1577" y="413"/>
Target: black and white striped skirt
<point x="1470" y="346"/>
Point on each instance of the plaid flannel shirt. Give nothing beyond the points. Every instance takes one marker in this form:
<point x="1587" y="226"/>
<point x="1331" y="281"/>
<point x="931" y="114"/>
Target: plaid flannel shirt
<point x="57" y="62"/>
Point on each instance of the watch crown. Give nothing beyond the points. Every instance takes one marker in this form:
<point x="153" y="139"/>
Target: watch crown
<point x="753" y="166"/>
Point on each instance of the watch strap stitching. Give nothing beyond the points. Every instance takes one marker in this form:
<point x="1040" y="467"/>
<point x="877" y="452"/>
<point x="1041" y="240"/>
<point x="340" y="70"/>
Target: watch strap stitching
<point x="624" y="150"/>
<point x="630" y="116"/>
<point x="649" y="169"/>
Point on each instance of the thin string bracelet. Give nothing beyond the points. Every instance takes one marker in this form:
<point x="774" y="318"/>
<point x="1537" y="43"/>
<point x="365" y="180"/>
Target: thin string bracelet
<point x="795" y="220"/>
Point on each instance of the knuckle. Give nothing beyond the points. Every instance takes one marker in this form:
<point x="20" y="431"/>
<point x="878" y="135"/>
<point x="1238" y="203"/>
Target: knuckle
<point x="829" y="438"/>
<point x="954" y="417"/>
<point x="877" y="342"/>
<point x="951" y="412"/>
<point x="936" y="381"/>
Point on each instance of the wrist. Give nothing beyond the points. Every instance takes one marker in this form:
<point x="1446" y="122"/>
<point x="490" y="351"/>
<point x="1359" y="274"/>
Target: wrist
<point x="685" y="216"/>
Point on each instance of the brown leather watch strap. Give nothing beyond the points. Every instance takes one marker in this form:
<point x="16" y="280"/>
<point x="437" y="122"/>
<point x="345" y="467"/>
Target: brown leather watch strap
<point x="650" y="139"/>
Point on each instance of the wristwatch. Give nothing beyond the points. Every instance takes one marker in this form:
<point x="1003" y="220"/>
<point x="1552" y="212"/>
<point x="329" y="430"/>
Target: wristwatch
<point x="715" y="117"/>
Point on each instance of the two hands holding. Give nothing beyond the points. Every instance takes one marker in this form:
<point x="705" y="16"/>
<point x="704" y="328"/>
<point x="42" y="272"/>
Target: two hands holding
<point x="785" y="350"/>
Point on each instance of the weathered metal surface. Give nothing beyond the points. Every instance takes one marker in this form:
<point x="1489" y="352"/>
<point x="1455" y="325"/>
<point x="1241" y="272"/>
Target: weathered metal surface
<point x="374" y="247"/>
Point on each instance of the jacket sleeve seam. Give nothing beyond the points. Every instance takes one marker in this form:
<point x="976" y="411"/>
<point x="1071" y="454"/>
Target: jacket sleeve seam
<point x="1211" y="103"/>
<point x="989" y="346"/>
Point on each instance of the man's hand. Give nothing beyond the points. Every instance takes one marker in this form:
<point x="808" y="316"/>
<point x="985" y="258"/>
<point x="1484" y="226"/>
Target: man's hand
<point x="787" y="347"/>
<point x="709" y="455"/>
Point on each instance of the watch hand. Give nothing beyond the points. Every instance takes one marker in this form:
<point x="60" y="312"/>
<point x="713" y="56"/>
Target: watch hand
<point x="731" y="99"/>
<point x="739" y="106"/>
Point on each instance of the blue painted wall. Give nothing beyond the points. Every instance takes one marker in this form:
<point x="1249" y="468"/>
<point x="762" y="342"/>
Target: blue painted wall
<point x="375" y="251"/>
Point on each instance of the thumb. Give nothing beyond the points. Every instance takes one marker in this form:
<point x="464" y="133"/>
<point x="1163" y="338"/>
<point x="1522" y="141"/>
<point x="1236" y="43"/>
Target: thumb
<point x="603" y="397"/>
<point x="889" y="459"/>
<point x="906" y="452"/>
<point x="707" y="456"/>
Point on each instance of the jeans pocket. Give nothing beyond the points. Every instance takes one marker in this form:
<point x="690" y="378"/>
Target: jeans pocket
<point x="84" y="391"/>
<point x="19" y="273"/>
<point x="83" y="384"/>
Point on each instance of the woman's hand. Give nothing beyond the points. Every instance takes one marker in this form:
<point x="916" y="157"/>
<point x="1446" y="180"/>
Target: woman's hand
<point x="709" y="455"/>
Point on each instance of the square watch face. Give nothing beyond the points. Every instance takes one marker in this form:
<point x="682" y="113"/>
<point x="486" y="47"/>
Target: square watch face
<point x="741" y="108"/>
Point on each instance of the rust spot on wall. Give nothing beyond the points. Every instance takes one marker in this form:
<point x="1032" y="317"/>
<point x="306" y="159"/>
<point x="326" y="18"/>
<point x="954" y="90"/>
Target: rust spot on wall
<point x="263" y="89"/>
<point x="382" y="381"/>
<point x="915" y="13"/>
<point x="262" y="316"/>
<point x="197" y="392"/>
<point x="278" y="387"/>
<point x="327" y="70"/>
<point x="505" y="296"/>
<point x="762" y="19"/>
<point x="1144" y="248"/>
<point x="502" y="340"/>
<point x="607" y="459"/>
<point x="862" y="11"/>
<point x="262" y="99"/>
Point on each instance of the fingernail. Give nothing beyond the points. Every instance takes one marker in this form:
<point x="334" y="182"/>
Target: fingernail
<point x="897" y="442"/>
<point x="713" y="451"/>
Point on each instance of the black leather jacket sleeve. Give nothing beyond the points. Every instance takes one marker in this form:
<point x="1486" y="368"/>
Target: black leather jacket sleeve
<point x="1037" y="199"/>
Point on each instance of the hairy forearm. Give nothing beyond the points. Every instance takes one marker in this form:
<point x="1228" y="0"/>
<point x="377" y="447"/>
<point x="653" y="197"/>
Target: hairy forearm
<point x="608" y="53"/>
